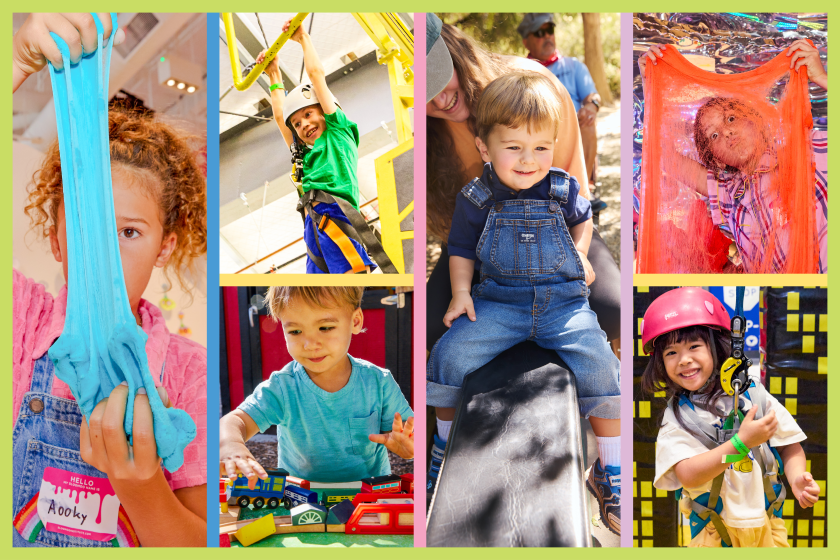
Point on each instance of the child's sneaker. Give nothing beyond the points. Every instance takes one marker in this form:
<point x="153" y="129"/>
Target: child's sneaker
<point x="605" y="485"/>
<point x="434" y="466"/>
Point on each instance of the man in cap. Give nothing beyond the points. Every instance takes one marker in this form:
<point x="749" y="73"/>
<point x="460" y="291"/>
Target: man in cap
<point x="537" y="31"/>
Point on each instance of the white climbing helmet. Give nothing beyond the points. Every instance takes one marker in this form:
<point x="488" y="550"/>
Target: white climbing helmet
<point x="300" y="97"/>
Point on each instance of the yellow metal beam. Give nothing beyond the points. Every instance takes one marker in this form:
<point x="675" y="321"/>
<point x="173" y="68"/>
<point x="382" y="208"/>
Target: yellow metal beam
<point x="244" y="83"/>
<point x="395" y="48"/>
<point x="390" y="216"/>
<point x="389" y="33"/>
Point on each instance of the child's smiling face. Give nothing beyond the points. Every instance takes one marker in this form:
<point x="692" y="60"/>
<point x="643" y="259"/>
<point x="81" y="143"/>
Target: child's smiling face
<point x="732" y="135"/>
<point x="143" y="245"/>
<point x="688" y="363"/>
<point x="520" y="157"/>
<point x="309" y="123"/>
<point x="318" y="338"/>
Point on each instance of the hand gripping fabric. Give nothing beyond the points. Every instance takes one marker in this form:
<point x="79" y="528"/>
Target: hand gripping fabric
<point x="101" y="345"/>
<point x="775" y="143"/>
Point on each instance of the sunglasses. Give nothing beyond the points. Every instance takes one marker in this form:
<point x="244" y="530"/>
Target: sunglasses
<point x="542" y="32"/>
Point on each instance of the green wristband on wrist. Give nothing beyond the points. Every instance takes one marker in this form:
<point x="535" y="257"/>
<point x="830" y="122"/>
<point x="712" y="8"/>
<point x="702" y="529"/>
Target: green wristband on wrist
<point x="739" y="445"/>
<point x="275" y="86"/>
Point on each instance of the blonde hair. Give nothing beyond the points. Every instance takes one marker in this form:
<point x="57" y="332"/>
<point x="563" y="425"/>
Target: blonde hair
<point x="278" y="298"/>
<point x="518" y="99"/>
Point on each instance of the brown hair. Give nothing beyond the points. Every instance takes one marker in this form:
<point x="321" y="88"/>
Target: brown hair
<point x="445" y="174"/>
<point x="655" y="377"/>
<point x="704" y="150"/>
<point x="150" y="149"/>
<point x="518" y="99"/>
<point x="278" y="298"/>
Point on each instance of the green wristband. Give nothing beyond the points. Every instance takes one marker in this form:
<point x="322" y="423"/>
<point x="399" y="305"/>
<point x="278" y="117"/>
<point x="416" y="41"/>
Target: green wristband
<point x="739" y="445"/>
<point x="275" y="86"/>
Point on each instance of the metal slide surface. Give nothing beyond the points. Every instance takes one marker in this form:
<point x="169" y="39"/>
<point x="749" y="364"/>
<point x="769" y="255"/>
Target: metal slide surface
<point x="512" y="473"/>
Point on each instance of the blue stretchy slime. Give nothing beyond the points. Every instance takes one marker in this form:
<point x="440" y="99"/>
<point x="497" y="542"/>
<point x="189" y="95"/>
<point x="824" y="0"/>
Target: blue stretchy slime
<point x="101" y="345"/>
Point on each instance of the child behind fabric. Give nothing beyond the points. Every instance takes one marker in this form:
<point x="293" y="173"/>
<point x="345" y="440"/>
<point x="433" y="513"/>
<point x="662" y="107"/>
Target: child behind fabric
<point x="524" y="224"/>
<point x="332" y="409"/>
<point x="311" y="120"/>
<point x="684" y="364"/>
<point x="738" y="168"/>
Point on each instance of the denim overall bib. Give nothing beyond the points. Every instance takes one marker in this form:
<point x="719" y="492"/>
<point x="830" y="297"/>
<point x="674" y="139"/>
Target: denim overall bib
<point x="532" y="288"/>
<point x="46" y="434"/>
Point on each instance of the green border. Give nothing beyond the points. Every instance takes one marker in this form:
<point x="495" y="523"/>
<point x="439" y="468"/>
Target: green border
<point x="361" y="5"/>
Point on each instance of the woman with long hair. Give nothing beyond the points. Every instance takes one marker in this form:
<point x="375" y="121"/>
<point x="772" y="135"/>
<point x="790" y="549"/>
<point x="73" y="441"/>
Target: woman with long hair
<point x="458" y="69"/>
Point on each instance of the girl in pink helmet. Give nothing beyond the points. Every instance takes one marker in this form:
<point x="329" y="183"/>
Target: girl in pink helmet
<point x="687" y="333"/>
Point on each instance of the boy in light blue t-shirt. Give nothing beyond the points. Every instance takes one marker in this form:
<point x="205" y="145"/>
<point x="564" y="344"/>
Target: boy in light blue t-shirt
<point x="336" y="414"/>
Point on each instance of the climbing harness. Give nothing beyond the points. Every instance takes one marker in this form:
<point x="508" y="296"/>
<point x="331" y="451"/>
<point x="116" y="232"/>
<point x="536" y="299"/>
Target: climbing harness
<point x="735" y="382"/>
<point x="298" y="152"/>
<point x="708" y="506"/>
<point x="341" y="232"/>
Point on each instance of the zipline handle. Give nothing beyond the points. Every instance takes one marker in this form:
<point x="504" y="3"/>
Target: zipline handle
<point x="244" y="83"/>
<point x="733" y="372"/>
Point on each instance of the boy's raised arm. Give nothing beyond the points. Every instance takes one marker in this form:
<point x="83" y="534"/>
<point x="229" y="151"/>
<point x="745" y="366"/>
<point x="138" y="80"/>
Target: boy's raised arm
<point x="314" y="69"/>
<point x="278" y="96"/>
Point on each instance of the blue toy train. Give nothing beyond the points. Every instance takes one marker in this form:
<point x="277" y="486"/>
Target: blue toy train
<point x="274" y="490"/>
<point x="271" y="492"/>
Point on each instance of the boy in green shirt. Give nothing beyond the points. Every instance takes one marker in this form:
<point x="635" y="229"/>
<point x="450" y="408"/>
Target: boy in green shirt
<point x="311" y="116"/>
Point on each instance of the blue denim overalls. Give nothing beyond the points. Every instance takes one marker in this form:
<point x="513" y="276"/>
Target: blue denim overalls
<point x="46" y="434"/>
<point x="532" y="288"/>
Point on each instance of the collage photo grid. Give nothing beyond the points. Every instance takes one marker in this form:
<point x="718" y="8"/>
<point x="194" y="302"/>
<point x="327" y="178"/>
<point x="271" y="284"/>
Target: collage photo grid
<point x="219" y="317"/>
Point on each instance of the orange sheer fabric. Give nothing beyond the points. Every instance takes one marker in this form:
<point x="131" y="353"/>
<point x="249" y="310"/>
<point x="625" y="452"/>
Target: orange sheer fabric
<point x="675" y="239"/>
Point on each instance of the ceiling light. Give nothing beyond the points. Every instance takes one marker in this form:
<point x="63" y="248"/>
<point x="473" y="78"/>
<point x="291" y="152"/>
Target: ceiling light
<point x="190" y="89"/>
<point x="177" y="72"/>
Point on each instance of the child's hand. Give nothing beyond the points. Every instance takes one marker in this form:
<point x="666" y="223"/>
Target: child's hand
<point x="461" y="303"/>
<point x="272" y="67"/>
<point x="654" y="52"/>
<point x="400" y="439"/>
<point x="33" y="46"/>
<point x="235" y="458"/>
<point x="801" y="53"/>
<point x="755" y="432"/>
<point x="297" y="36"/>
<point x="589" y="272"/>
<point x="805" y="490"/>
<point x="104" y="445"/>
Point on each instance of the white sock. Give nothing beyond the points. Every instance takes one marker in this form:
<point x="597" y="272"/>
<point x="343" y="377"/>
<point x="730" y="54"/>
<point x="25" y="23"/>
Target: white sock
<point x="609" y="450"/>
<point x="443" y="427"/>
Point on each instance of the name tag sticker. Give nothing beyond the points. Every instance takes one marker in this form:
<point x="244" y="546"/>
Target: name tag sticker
<point x="78" y="505"/>
<point x="527" y="237"/>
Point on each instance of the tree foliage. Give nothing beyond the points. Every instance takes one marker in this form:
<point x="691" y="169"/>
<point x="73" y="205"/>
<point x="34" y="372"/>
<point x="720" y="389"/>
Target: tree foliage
<point x="497" y="32"/>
